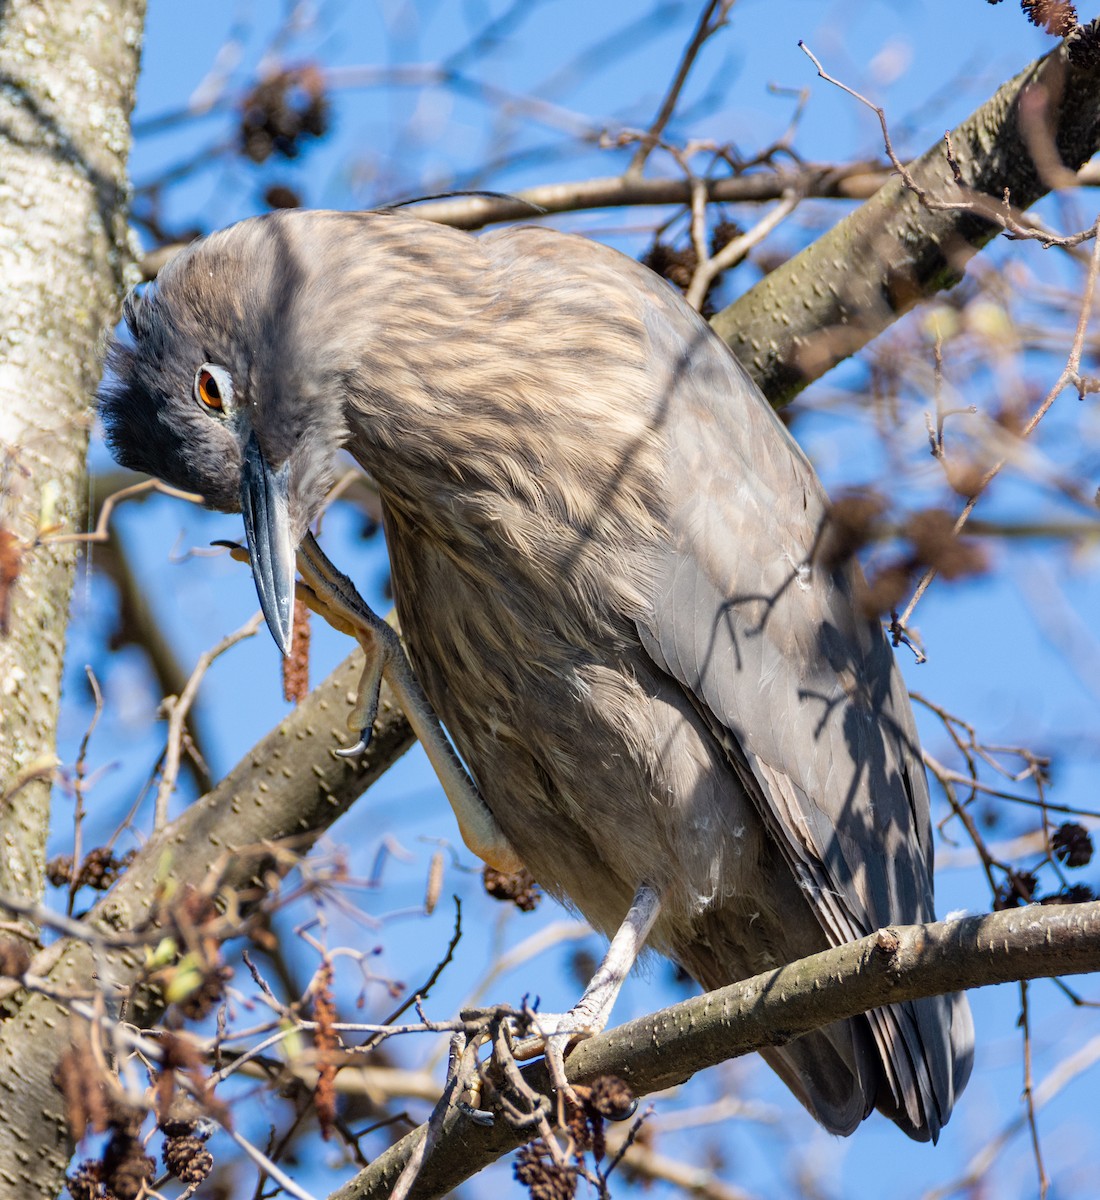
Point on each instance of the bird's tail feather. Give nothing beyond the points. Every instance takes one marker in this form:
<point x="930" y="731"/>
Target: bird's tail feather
<point x="825" y="1072"/>
<point x="910" y="1061"/>
<point x="842" y="1072"/>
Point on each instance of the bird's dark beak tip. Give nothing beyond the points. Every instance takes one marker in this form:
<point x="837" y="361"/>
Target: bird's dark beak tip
<point x="265" y="496"/>
<point x="284" y="638"/>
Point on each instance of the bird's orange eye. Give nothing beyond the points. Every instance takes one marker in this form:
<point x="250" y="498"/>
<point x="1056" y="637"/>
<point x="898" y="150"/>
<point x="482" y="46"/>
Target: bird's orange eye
<point x="208" y="391"/>
<point x="213" y="389"/>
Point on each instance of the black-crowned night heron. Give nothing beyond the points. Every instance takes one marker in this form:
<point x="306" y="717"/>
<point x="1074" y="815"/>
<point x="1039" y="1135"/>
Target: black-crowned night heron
<point x="603" y="553"/>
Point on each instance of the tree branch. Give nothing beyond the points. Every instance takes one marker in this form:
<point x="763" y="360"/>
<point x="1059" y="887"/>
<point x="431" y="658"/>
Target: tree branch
<point x="67" y="81"/>
<point x="829" y="301"/>
<point x="825" y="181"/>
<point x="668" y="1047"/>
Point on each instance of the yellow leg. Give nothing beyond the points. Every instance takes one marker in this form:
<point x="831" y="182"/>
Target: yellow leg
<point x="556" y="1031"/>
<point x="333" y="596"/>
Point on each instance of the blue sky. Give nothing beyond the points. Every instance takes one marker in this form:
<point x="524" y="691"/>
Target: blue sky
<point x="993" y="645"/>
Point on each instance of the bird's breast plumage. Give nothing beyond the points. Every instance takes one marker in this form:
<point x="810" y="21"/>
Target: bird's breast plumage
<point x="524" y="572"/>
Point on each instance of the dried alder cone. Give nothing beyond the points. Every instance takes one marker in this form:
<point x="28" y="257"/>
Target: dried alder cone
<point x="94" y="1103"/>
<point x="544" y="1178"/>
<point x="857" y="519"/>
<point x="86" y="1181"/>
<point x="282" y="111"/>
<point x="187" y="1159"/>
<point x="1059" y="18"/>
<point x="1055" y="16"/>
<point x="542" y="1172"/>
<point x="99" y="870"/>
<point x="514" y="887"/>
<point x="185" y="1131"/>
<point x="679" y="264"/>
<point x="125" y="1170"/>
<point x="1072" y="844"/>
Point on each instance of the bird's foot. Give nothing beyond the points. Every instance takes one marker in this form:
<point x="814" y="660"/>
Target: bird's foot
<point x="554" y="1035"/>
<point x="332" y="595"/>
<point x="365" y="709"/>
<point x="484" y="1089"/>
<point x="556" y="1032"/>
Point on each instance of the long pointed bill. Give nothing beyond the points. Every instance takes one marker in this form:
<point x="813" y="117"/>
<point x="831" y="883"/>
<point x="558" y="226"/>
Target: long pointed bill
<point x="266" y="511"/>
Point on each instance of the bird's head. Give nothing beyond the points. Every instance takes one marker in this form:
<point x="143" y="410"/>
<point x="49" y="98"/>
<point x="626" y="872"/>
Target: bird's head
<point x="225" y="387"/>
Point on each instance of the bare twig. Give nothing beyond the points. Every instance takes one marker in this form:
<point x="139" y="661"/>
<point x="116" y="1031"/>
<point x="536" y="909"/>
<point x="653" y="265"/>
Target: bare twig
<point x="1071" y="375"/>
<point x="691" y="1180"/>
<point x="1010" y="219"/>
<point x="79" y="789"/>
<point x="100" y="533"/>
<point x="946" y="774"/>
<point x="178" y="708"/>
<point x="733" y="251"/>
<point x="713" y="18"/>
<point x="1029" y="1093"/>
<point x="1059" y="1078"/>
<point x="268" y="1167"/>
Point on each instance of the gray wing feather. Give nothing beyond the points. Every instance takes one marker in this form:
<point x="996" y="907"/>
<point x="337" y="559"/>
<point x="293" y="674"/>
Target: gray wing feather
<point x="801" y="688"/>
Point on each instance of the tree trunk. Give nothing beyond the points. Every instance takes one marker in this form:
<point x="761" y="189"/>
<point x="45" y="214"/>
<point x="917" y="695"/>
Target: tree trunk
<point x="67" y="76"/>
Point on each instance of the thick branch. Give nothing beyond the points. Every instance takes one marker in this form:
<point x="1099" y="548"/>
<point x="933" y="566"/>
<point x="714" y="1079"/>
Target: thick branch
<point x="655" y="1052"/>
<point x="857" y="181"/>
<point x="853" y="282"/>
<point x="67" y="79"/>
<point x="290" y="786"/>
<point x="824" y="181"/>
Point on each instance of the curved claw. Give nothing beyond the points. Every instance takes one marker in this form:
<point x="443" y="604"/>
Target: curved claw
<point x="479" y="1116"/>
<point x="360" y="746"/>
<point x="554" y="1049"/>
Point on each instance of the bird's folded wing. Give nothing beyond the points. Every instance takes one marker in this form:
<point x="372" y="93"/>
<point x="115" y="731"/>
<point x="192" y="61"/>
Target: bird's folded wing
<point x="800" y="687"/>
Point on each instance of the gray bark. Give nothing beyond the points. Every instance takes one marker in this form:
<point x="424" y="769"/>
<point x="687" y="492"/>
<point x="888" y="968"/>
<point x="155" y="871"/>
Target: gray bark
<point x="67" y="75"/>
